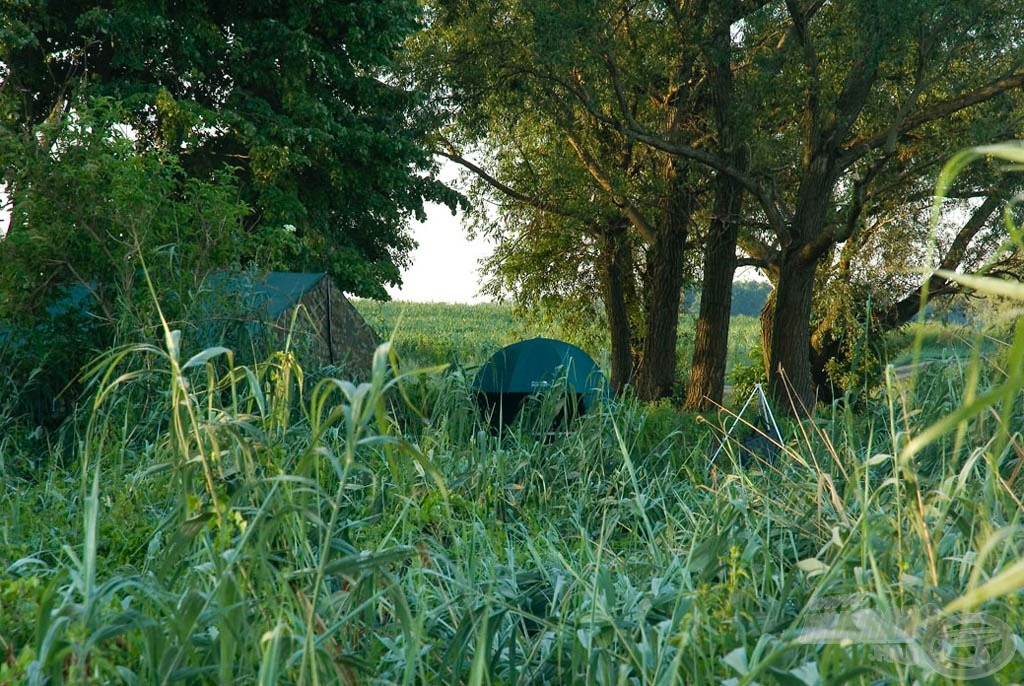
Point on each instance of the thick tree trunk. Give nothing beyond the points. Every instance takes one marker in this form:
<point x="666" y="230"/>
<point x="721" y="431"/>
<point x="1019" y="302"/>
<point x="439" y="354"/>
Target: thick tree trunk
<point x="789" y="360"/>
<point x="656" y="373"/>
<point x="711" y="339"/>
<point x="789" y="372"/>
<point x="616" y="272"/>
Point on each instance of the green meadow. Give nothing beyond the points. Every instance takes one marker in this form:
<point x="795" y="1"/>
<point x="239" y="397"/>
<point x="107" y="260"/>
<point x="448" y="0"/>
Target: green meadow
<point x="268" y="524"/>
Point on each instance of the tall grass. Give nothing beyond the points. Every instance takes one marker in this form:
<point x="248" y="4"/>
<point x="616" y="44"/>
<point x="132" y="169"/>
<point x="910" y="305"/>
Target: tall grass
<point x="287" y="533"/>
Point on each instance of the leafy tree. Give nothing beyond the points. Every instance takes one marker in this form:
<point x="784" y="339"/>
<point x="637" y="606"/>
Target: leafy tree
<point x="90" y="209"/>
<point x="89" y="206"/>
<point x="573" y="66"/>
<point x="195" y="136"/>
<point x="302" y="100"/>
<point x="875" y="281"/>
<point x="710" y="348"/>
<point x="802" y="128"/>
<point x="859" y="99"/>
<point x="564" y="251"/>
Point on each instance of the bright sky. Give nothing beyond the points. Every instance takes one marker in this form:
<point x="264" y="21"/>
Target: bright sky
<point x="445" y="266"/>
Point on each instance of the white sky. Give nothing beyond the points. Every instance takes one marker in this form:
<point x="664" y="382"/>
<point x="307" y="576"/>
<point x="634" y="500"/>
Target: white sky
<point x="445" y="266"/>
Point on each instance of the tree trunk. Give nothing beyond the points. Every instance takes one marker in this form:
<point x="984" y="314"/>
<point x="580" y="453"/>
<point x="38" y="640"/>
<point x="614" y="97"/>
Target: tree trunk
<point x="616" y="272"/>
<point x="789" y="373"/>
<point x="656" y="374"/>
<point x="789" y="360"/>
<point x="767" y="321"/>
<point x="711" y="339"/>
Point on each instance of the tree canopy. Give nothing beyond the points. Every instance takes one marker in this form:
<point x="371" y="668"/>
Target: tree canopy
<point x="516" y="70"/>
<point x="302" y="104"/>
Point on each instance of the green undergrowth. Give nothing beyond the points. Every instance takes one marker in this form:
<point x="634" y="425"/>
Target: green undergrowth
<point x="225" y="523"/>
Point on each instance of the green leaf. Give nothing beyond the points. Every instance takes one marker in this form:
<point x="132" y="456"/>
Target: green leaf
<point x="999" y="394"/>
<point x="1009" y="581"/>
<point x="351" y="565"/>
<point x="812" y="566"/>
<point x="737" y="659"/>
<point x="205" y="356"/>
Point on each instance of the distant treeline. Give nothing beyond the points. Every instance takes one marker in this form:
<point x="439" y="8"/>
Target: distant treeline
<point x="748" y="297"/>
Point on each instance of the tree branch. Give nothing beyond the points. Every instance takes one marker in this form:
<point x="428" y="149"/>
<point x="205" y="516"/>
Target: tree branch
<point x="764" y="196"/>
<point x="904" y="309"/>
<point x="503" y="188"/>
<point x="635" y="216"/>
<point x="812" y="122"/>
<point x="762" y="255"/>
<point x="936" y="111"/>
<point x="958" y="248"/>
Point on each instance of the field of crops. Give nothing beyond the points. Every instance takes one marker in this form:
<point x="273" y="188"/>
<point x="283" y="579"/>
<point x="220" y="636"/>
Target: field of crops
<point x="214" y="523"/>
<point x="431" y="334"/>
<point x="437" y="333"/>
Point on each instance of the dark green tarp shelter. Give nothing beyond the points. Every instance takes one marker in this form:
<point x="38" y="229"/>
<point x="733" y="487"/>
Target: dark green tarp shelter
<point x="527" y="368"/>
<point x="242" y="309"/>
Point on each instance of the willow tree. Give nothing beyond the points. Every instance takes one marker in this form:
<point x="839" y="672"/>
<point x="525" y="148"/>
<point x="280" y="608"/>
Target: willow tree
<point x="854" y="100"/>
<point x="577" y="66"/>
<point x="571" y="258"/>
<point x="729" y="111"/>
<point x="884" y="274"/>
<point x="879" y="84"/>
<point x="798" y="126"/>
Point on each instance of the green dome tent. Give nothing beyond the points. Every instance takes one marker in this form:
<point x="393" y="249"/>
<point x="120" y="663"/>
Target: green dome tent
<point x="529" y="367"/>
